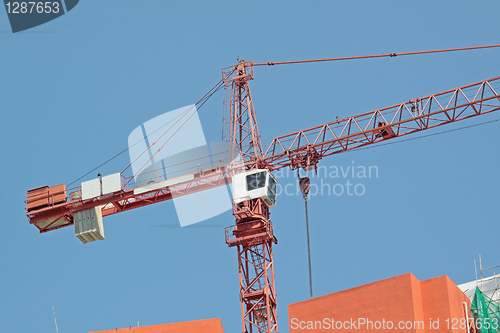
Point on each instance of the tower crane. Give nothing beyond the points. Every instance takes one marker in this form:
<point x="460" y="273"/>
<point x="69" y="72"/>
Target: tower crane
<point x="250" y="172"/>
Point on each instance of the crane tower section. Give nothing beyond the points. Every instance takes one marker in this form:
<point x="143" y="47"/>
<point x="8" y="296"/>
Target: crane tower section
<point x="254" y="192"/>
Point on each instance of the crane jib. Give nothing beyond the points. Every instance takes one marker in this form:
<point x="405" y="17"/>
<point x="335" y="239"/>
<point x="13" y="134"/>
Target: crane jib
<point x="51" y="204"/>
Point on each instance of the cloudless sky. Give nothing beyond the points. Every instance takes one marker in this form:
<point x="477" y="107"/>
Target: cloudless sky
<point x="72" y="90"/>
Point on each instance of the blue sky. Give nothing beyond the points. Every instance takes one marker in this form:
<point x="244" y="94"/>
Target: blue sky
<point x="73" y="89"/>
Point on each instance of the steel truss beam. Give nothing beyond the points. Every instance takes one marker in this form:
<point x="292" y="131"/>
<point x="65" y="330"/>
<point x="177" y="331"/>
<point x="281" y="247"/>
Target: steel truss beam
<point x="307" y="147"/>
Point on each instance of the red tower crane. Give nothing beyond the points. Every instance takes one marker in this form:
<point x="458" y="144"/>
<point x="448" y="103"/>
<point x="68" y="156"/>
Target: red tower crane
<point x="254" y="186"/>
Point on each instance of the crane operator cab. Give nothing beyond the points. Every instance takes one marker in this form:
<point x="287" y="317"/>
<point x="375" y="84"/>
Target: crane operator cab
<point x="253" y="184"/>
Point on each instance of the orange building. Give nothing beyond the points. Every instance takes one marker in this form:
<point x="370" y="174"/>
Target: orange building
<point x="401" y="303"/>
<point x="196" y="326"/>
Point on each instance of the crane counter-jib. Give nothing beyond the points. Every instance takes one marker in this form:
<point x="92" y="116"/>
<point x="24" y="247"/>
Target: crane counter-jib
<point x="55" y="211"/>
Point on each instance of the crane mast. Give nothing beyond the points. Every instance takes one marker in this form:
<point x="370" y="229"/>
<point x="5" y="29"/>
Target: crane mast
<point x="50" y="208"/>
<point x="253" y="233"/>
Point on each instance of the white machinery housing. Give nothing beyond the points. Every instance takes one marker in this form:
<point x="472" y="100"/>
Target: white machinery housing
<point x="101" y="186"/>
<point x="253" y="184"/>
